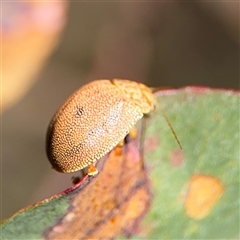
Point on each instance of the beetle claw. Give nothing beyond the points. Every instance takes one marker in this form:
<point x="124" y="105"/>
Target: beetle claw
<point x="92" y="170"/>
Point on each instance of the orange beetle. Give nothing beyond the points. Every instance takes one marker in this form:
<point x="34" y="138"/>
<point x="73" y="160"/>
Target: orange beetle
<point x="93" y="120"/>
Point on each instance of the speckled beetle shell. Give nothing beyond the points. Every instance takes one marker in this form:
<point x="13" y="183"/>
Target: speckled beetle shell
<point x="93" y="120"/>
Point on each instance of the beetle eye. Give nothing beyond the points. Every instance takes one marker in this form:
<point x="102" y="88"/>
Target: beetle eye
<point x="79" y="111"/>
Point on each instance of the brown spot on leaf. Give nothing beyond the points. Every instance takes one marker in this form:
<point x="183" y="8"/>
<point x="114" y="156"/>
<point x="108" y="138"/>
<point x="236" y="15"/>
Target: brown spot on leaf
<point x="203" y="194"/>
<point x="151" y="144"/>
<point x="176" y="158"/>
<point x="110" y="204"/>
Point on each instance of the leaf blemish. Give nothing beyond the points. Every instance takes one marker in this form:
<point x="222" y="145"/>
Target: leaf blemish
<point x="177" y="158"/>
<point x="151" y="144"/>
<point x="203" y="194"/>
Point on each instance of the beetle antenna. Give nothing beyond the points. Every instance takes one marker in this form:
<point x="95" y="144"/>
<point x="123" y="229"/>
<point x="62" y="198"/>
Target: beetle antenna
<point x="169" y="124"/>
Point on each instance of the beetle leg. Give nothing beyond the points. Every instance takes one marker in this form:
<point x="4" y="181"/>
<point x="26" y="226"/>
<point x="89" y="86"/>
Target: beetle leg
<point x="92" y="170"/>
<point x="119" y="148"/>
<point x="133" y="133"/>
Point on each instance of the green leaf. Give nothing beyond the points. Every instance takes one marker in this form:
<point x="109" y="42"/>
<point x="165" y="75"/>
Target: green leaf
<point x="30" y="223"/>
<point x="207" y="124"/>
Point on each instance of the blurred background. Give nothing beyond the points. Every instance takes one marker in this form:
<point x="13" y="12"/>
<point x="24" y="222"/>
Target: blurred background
<point x="49" y="49"/>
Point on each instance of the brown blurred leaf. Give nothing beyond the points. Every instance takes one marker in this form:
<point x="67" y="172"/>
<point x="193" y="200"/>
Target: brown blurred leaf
<point x="30" y="34"/>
